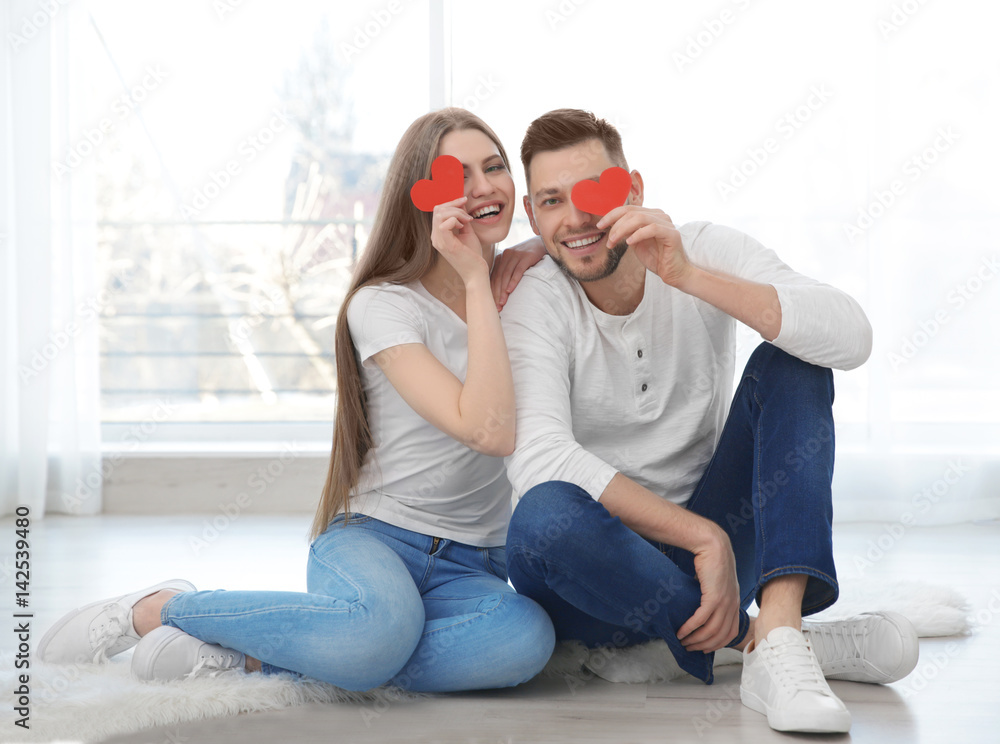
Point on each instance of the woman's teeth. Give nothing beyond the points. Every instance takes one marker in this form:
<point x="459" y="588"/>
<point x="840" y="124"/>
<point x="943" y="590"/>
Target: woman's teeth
<point x="490" y="211"/>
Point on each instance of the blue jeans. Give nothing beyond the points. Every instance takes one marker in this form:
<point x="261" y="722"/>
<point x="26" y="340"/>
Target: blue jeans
<point x="767" y="485"/>
<point x="384" y="605"/>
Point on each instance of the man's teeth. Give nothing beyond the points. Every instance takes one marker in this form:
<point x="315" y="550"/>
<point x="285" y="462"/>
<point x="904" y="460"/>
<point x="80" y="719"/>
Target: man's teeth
<point x="584" y="242"/>
<point x="491" y="210"/>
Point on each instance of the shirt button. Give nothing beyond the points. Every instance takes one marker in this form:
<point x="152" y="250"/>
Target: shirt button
<point x="640" y="353"/>
<point x="644" y="386"/>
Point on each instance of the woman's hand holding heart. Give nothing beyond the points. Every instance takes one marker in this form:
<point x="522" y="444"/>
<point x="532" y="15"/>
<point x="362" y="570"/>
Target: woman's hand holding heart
<point x="453" y="237"/>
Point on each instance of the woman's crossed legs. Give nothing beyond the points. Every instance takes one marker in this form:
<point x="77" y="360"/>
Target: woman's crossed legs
<point x="381" y="607"/>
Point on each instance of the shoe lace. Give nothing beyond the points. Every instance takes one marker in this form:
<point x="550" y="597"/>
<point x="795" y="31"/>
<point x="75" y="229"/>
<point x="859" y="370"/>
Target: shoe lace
<point x="211" y="665"/>
<point x="837" y="643"/>
<point x="117" y="625"/>
<point x="798" y="668"/>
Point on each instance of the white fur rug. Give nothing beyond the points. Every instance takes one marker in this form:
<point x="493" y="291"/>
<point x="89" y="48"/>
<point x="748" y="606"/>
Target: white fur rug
<point x="89" y="703"/>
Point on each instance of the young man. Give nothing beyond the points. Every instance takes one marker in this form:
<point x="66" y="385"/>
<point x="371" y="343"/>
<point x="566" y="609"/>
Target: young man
<point x="645" y="511"/>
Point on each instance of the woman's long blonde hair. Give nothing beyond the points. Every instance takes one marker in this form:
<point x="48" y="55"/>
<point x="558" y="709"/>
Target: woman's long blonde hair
<point x="399" y="251"/>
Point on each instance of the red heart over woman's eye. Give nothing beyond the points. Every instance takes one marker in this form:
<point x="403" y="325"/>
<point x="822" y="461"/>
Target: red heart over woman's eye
<point x="447" y="183"/>
<point x="600" y="197"/>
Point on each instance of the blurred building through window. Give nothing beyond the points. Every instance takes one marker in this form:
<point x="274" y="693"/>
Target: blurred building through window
<point x="239" y="151"/>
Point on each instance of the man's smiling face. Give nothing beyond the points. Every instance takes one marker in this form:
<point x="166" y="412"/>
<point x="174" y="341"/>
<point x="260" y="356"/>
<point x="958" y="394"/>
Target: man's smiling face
<point x="570" y="235"/>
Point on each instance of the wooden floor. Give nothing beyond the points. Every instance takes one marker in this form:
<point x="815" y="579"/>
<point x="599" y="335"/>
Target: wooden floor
<point x="953" y="695"/>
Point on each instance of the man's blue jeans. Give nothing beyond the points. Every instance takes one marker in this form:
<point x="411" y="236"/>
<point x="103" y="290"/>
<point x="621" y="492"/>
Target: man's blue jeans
<point x="384" y="606"/>
<point x="767" y="486"/>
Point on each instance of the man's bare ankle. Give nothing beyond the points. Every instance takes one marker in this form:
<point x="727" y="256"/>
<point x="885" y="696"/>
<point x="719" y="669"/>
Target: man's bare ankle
<point x="252" y="664"/>
<point x="768" y="622"/>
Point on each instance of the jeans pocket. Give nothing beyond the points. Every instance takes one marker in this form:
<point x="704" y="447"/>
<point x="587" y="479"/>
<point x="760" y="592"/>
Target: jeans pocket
<point x="495" y="561"/>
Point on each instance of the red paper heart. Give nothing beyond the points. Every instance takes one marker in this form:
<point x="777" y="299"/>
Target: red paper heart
<point x="447" y="183"/>
<point x="603" y="195"/>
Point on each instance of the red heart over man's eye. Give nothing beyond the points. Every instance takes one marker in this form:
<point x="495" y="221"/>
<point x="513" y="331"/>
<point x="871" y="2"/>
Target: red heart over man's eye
<point x="600" y="197"/>
<point x="447" y="183"/>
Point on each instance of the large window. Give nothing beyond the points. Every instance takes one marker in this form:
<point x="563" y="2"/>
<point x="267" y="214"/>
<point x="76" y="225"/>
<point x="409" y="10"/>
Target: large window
<point x="240" y="172"/>
<point x="239" y="151"/>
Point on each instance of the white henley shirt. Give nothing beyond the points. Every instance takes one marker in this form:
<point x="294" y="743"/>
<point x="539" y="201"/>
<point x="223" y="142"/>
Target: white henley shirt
<point x="646" y="394"/>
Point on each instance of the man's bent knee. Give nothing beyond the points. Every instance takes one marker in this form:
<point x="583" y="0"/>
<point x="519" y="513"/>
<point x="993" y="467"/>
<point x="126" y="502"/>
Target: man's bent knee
<point x="546" y="514"/>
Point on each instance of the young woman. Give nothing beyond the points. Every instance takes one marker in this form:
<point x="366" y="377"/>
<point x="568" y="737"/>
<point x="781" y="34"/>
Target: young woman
<point x="407" y="582"/>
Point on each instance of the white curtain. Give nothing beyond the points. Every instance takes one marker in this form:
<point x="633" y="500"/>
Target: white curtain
<point x="49" y="390"/>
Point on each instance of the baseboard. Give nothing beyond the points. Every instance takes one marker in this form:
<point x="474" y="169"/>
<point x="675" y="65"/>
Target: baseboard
<point x="916" y="487"/>
<point x="925" y="488"/>
<point x="224" y="484"/>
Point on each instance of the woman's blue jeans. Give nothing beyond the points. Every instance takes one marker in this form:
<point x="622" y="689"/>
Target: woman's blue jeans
<point x="384" y="605"/>
<point x="767" y="485"/>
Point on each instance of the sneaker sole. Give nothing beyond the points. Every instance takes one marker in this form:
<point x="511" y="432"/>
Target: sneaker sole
<point x="179" y="584"/>
<point x="157" y="639"/>
<point x="840" y="725"/>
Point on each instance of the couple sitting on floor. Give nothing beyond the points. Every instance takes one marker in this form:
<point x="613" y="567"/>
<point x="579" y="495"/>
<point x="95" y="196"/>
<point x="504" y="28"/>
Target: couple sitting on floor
<point x="653" y="502"/>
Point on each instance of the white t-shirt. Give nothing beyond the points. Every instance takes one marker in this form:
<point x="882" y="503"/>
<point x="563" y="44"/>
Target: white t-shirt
<point x="646" y="394"/>
<point x="416" y="476"/>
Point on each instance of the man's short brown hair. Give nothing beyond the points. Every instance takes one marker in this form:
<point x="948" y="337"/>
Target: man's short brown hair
<point x="564" y="128"/>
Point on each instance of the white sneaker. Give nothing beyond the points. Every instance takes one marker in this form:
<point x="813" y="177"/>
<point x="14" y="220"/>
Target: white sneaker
<point x="782" y="679"/>
<point x="99" y="630"/>
<point x="169" y="653"/>
<point x="876" y="647"/>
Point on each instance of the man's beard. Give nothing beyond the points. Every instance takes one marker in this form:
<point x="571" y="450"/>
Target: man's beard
<point x="597" y="273"/>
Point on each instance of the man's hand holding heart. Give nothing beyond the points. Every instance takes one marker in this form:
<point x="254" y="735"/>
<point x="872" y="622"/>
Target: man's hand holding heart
<point x="650" y="232"/>
<point x="654" y="241"/>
